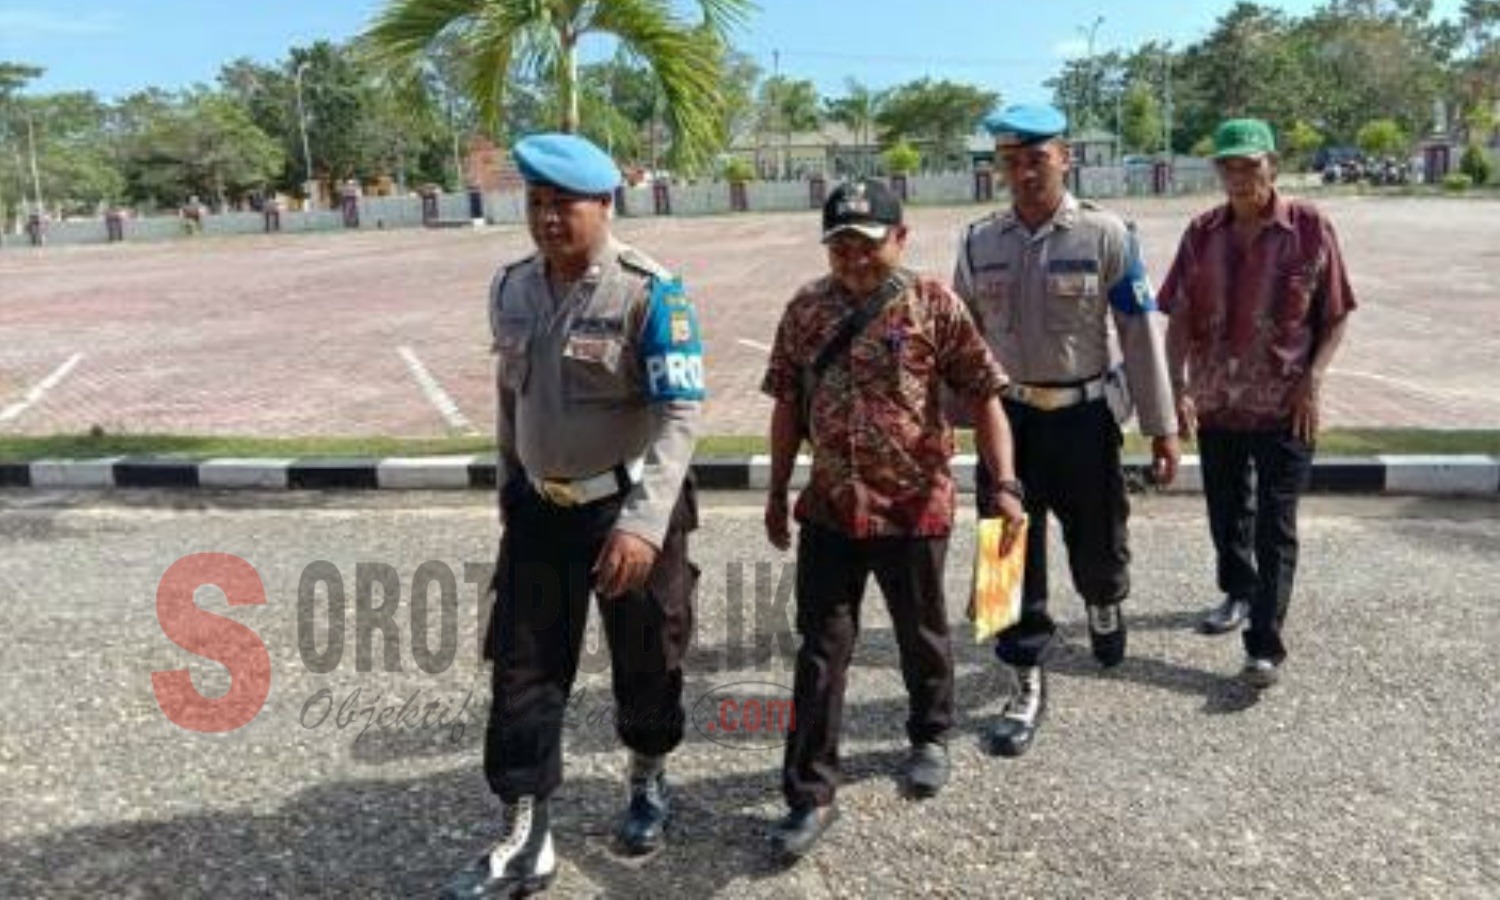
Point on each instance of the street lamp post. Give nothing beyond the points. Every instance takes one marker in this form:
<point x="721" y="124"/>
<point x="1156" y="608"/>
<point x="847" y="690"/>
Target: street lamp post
<point x="1089" y="92"/>
<point x="307" y="186"/>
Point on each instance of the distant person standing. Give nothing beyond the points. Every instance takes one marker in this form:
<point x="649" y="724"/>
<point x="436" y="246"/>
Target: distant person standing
<point x="1259" y="301"/>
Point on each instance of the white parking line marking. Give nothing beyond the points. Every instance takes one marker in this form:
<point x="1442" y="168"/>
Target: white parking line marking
<point x="42" y="387"/>
<point x="435" y="393"/>
<point x="756" y="345"/>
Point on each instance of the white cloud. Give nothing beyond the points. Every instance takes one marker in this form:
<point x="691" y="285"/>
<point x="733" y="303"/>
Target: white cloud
<point x="21" y="24"/>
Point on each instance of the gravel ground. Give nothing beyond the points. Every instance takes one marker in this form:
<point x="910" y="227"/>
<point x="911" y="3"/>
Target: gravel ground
<point x="1369" y="772"/>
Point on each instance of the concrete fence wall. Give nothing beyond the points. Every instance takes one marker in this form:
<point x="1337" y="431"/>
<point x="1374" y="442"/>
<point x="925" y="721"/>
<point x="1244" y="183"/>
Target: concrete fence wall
<point x="696" y="199"/>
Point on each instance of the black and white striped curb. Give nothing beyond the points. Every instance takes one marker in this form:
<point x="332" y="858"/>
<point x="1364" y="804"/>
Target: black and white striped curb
<point x="1471" y="475"/>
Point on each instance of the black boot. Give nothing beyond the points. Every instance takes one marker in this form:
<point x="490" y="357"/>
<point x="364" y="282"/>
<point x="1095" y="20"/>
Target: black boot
<point x="795" y="835"/>
<point x="645" y="822"/>
<point x="926" y="769"/>
<point x="1107" y="634"/>
<point x="1013" y="734"/>
<point x="521" y="864"/>
<point x="1225" y="617"/>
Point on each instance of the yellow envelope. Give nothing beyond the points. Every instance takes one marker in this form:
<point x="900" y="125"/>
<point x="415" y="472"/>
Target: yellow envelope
<point x="995" y="604"/>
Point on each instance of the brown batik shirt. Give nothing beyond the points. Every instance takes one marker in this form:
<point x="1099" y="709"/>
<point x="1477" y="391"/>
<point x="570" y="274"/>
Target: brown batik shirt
<point x="880" y="440"/>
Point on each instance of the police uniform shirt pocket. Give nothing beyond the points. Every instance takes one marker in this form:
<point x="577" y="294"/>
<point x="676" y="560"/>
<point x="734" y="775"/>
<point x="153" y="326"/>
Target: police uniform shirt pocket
<point x="994" y="288"/>
<point x="512" y="346"/>
<point x="1073" y="294"/>
<point x="592" y="361"/>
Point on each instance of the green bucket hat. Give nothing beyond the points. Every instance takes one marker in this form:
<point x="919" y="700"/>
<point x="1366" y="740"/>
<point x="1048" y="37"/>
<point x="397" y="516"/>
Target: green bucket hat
<point x="1243" y="137"/>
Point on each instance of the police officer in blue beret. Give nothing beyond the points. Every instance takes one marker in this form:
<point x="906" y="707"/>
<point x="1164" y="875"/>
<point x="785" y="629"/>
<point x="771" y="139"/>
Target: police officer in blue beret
<point x="1046" y="278"/>
<point x="600" y="383"/>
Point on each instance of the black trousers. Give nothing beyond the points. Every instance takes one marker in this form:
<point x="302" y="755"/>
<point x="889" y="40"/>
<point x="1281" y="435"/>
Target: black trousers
<point x="832" y="571"/>
<point x="1068" y="460"/>
<point x="1255" y="534"/>
<point x="543" y="582"/>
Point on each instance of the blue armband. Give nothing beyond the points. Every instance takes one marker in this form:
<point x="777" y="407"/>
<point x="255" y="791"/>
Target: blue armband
<point x="1132" y="294"/>
<point x="671" y="349"/>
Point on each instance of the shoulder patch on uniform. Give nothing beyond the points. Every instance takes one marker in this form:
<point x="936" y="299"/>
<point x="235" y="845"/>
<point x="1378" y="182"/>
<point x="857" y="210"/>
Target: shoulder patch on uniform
<point x="637" y="261"/>
<point x="671" y="348"/>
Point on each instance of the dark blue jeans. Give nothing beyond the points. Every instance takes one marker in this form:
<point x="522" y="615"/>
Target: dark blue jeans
<point x="1255" y="528"/>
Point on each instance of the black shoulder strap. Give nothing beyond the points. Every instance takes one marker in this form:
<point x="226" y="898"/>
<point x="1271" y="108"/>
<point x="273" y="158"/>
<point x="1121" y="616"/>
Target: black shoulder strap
<point x="857" y="321"/>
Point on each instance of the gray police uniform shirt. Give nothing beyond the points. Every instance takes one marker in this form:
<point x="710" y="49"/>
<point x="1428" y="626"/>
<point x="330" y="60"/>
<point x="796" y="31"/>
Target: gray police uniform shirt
<point x="1042" y="299"/>
<point x="575" y="394"/>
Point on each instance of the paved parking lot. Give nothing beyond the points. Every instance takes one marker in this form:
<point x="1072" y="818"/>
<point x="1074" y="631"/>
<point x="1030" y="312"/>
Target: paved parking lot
<point x="1370" y="772"/>
<point x="337" y="333"/>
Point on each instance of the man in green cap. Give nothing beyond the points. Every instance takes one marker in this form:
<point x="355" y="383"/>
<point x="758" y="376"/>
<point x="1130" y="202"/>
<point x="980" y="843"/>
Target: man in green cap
<point x="1258" y="299"/>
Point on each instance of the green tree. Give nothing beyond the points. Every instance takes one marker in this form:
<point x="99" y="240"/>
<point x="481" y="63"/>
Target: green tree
<point x="206" y="146"/>
<point x="858" y="110"/>
<point x="1299" y="143"/>
<point x="1382" y="137"/>
<point x="902" y="158"/>
<point x="1142" y="125"/>
<point x="1475" y="164"/>
<point x="787" y="106"/>
<point x="58" y="150"/>
<point x="537" y="40"/>
<point x="943" y="114"/>
<point x="13" y="78"/>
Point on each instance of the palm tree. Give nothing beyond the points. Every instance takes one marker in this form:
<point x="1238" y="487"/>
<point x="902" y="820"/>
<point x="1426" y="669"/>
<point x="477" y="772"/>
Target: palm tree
<point x="857" y="110"/>
<point x="538" y="40"/>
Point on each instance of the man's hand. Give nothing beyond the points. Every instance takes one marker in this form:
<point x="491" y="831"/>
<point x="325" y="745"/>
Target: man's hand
<point x="1187" y="418"/>
<point x="778" y="520"/>
<point x="623" y="565"/>
<point x="1165" y="454"/>
<point x="1304" y="402"/>
<point x="1010" y="509"/>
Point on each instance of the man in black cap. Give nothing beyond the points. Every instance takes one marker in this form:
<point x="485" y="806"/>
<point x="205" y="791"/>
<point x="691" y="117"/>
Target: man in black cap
<point x="1046" y="279"/>
<point x="860" y="359"/>
<point x="600" y="387"/>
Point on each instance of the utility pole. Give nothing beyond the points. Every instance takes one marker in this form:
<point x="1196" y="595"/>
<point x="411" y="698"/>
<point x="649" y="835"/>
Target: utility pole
<point x="302" y="124"/>
<point x="1090" y="94"/>
<point x="36" y="179"/>
<point x="1166" y="80"/>
<point x="1120" y="121"/>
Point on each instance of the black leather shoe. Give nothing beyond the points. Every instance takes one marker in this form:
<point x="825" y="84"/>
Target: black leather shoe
<point x="1225" y="617"/>
<point x="795" y="835"/>
<point x="1107" y="634"/>
<point x="1013" y="734"/>
<point x="926" y="769"/>
<point x="1260" y="673"/>
<point x="522" y="863"/>
<point x="645" y="823"/>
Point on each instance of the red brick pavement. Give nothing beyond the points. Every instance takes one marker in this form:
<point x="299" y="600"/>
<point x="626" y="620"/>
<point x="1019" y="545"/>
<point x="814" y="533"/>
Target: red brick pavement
<point x="299" y="334"/>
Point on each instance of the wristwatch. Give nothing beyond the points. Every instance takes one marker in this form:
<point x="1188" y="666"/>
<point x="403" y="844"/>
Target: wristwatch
<point x="1013" y="487"/>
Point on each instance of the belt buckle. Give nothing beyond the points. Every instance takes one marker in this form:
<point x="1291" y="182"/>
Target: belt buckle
<point x="1046" y="399"/>
<point x="560" y="493"/>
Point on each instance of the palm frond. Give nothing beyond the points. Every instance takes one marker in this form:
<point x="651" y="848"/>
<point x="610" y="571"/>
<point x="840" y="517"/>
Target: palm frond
<point x="404" y="29"/>
<point x="686" y="61"/>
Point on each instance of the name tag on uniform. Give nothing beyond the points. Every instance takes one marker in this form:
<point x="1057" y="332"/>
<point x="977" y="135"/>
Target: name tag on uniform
<point x="1072" y="284"/>
<point x="592" y="348"/>
<point x="1073" y="277"/>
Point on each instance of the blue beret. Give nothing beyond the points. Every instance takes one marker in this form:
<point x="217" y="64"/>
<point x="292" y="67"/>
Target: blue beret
<point x="567" y="162"/>
<point x="1026" y="123"/>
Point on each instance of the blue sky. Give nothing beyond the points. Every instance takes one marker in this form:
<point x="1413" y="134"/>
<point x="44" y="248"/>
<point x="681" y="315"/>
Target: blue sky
<point x="114" y="47"/>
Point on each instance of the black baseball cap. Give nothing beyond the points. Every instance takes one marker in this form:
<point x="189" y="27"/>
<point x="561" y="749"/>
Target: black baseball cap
<point x="866" y="206"/>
